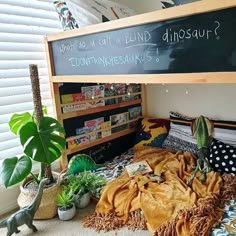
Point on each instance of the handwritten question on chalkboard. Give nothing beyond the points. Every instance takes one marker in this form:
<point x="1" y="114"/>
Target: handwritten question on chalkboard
<point x="134" y="39"/>
<point x="143" y="38"/>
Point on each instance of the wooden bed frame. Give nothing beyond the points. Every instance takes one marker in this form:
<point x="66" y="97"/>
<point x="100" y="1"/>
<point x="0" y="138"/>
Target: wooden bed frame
<point x="176" y="78"/>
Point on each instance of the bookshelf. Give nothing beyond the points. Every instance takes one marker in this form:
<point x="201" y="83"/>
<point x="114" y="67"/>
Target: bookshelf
<point x="125" y="101"/>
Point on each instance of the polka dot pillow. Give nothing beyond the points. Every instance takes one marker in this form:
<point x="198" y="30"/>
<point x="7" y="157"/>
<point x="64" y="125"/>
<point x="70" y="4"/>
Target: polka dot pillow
<point x="222" y="157"/>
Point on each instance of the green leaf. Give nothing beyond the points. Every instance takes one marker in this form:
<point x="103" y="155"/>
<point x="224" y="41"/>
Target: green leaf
<point x="18" y="120"/>
<point x="15" y="170"/>
<point x="44" y="143"/>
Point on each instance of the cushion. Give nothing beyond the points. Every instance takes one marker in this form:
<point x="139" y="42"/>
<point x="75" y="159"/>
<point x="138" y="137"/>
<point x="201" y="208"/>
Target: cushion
<point x="222" y="157"/>
<point x="225" y="131"/>
<point x="68" y="22"/>
<point x="87" y="12"/>
<point x="180" y="136"/>
<point x="152" y="132"/>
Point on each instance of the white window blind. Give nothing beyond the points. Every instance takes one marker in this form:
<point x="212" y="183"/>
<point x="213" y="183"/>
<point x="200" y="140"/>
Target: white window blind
<point x="23" y="25"/>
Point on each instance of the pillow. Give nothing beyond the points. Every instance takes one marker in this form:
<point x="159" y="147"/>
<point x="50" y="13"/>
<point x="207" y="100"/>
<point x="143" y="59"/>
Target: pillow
<point x="225" y="131"/>
<point x="180" y="136"/>
<point x="87" y="12"/>
<point x="222" y="157"/>
<point x="68" y="22"/>
<point x="152" y="133"/>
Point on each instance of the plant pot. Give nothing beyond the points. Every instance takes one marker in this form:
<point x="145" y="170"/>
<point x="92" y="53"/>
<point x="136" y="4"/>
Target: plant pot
<point x="48" y="206"/>
<point x="82" y="201"/>
<point x="66" y="214"/>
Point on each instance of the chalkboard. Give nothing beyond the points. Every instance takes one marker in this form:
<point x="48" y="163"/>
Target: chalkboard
<point x="198" y="43"/>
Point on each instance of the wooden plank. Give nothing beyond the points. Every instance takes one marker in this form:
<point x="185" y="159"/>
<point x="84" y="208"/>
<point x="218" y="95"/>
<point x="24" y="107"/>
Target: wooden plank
<point x="144" y="100"/>
<point x="181" y="78"/>
<point x="155" y="16"/>
<point x="100" y="141"/>
<point x="100" y="109"/>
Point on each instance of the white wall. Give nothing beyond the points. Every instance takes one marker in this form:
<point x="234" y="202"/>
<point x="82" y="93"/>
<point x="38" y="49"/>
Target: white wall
<point x="141" y="6"/>
<point x="216" y="101"/>
<point x="212" y="100"/>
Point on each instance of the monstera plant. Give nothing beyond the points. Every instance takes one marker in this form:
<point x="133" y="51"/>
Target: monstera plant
<point x="202" y="129"/>
<point x="41" y="143"/>
<point x="42" y="139"/>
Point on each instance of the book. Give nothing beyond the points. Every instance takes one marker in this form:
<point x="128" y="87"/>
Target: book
<point x="138" y="168"/>
<point x="78" y="97"/>
<point x="94" y="124"/>
<point x="95" y="103"/>
<point x="66" y="98"/>
<point x="134" y="112"/>
<point x="119" y="119"/>
<point x="105" y="129"/>
<point x="92" y="92"/>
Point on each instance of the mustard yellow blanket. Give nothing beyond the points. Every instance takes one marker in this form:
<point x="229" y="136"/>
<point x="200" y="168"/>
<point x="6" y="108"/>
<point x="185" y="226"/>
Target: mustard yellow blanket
<point x="165" y="208"/>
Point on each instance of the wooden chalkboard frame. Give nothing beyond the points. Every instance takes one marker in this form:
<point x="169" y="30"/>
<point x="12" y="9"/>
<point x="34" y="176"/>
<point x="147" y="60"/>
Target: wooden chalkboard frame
<point x="156" y="16"/>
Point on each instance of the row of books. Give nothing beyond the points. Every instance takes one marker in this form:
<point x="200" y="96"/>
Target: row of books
<point x="98" y="128"/>
<point x="87" y="93"/>
<point x="79" y="101"/>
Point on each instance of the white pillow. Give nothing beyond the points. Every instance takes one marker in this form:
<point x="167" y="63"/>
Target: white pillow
<point x="87" y="12"/>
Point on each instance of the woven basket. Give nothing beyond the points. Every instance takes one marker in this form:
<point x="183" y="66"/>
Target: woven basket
<point x="48" y="206"/>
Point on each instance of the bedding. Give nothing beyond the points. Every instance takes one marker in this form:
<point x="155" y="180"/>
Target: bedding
<point x="180" y="136"/>
<point x="165" y="208"/>
<point x="152" y="132"/>
<point x="222" y="157"/>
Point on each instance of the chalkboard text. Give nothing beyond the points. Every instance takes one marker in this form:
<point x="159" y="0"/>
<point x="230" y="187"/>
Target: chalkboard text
<point x="111" y="60"/>
<point x="182" y="34"/>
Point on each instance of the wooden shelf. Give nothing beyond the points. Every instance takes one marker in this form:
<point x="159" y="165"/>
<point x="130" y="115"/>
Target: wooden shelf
<point x="100" y="109"/>
<point x="99" y="141"/>
<point x="180" y="78"/>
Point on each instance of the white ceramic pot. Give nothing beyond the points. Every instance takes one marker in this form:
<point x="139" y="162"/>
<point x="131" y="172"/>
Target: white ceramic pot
<point x="66" y="214"/>
<point x="83" y="201"/>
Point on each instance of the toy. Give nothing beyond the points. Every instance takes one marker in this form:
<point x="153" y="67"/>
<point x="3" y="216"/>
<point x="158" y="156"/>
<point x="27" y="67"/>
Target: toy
<point x="80" y="163"/>
<point x="24" y="215"/>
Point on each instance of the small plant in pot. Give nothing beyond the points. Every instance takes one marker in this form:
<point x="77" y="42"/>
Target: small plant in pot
<point x="82" y="186"/>
<point x="66" y="207"/>
<point x="43" y="141"/>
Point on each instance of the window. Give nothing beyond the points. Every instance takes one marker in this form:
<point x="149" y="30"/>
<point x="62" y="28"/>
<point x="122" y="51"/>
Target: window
<point x="23" y="25"/>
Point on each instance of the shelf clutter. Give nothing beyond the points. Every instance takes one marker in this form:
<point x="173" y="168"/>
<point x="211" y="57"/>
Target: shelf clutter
<point x="93" y="114"/>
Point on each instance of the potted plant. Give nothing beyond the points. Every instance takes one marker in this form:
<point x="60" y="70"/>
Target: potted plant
<point x="43" y="141"/>
<point x="66" y="207"/>
<point x="82" y="186"/>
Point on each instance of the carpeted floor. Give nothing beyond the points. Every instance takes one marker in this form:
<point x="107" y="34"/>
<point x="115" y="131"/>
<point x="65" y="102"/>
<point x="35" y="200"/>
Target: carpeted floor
<point x="74" y="227"/>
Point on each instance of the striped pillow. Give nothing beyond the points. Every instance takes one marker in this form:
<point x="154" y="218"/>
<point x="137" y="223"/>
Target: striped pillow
<point x="180" y="136"/>
<point x="225" y="131"/>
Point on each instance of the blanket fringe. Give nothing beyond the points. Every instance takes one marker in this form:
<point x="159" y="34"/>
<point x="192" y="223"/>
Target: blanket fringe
<point x="103" y="222"/>
<point x="136" y="221"/>
<point x="203" y="216"/>
<point x="167" y="229"/>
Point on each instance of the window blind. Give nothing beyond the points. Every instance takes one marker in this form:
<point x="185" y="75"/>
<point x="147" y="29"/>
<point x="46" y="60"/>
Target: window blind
<point x="23" y="25"/>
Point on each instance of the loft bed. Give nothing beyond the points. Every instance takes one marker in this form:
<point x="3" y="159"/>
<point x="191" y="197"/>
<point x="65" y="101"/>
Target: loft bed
<point x="63" y="69"/>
